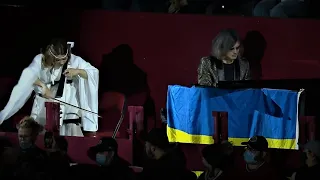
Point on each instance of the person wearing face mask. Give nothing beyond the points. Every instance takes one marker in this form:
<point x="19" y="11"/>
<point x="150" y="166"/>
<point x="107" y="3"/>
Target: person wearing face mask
<point x="312" y="160"/>
<point x="105" y="154"/>
<point x="255" y="164"/>
<point x="225" y="62"/>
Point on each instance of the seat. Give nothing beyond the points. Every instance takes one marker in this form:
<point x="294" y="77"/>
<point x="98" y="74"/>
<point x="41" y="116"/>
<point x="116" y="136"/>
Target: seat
<point x="113" y="108"/>
<point x="52" y="116"/>
<point x="136" y="116"/>
<point x="144" y="99"/>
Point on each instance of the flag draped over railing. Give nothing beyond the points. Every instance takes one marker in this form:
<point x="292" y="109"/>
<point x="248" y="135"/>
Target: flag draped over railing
<point x="272" y="113"/>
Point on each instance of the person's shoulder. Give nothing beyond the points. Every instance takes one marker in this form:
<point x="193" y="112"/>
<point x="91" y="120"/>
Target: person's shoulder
<point x="75" y="58"/>
<point x="308" y="173"/>
<point x="37" y="59"/>
<point x="206" y="59"/>
<point x="9" y="154"/>
<point x="243" y="61"/>
<point x="79" y="62"/>
<point x="205" y="62"/>
<point x="10" y="150"/>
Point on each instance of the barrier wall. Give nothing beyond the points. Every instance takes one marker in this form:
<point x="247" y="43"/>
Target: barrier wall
<point x="168" y="47"/>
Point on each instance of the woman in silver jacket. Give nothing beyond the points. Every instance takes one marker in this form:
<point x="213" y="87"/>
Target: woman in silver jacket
<point x="225" y="62"/>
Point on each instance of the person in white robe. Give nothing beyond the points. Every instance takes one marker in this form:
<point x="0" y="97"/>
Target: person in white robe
<point x="42" y="76"/>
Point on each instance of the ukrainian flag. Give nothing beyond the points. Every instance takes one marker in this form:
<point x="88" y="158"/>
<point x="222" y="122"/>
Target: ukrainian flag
<point x="271" y="113"/>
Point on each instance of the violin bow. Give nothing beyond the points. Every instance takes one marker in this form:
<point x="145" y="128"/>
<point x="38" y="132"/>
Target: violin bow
<point x="68" y="104"/>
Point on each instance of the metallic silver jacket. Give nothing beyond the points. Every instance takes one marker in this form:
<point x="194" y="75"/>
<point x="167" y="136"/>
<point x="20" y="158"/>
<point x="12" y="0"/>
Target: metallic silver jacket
<point x="210" y="75"/>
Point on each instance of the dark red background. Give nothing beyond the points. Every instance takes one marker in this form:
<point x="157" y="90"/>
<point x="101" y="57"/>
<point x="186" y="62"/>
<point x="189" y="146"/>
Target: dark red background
<point x="168" y="47"/>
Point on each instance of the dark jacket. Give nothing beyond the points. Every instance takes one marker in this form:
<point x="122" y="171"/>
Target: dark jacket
<point x="118" y="170"/>
<point x="59" y="164"/>
<point x="32" y="163"/>
<point x="170" y="166"/>
<point x="211" y="71"/>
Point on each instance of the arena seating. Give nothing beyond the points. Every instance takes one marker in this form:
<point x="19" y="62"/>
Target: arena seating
<point x="168" y="49"/>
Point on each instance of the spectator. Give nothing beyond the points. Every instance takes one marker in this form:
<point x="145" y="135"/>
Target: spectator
<point x="59" y="161"/>
<point x="105" y="154"/>
<point x="281" y="8"/>
<point x="167" y="162"/>
<point x="29" y="161"/>
<point x="312" y="154"/>
<point x="216" y="159"/>
<point x="225" y="62"/>
<point x="255" y="162"/>
<point x="28" y="131"/>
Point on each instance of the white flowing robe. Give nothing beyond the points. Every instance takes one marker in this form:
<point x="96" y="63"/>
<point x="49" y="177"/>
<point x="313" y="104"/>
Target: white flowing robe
<point x="81" y="93"/>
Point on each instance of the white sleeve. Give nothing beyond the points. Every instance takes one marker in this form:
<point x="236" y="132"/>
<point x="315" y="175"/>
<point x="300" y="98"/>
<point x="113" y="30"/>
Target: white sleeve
<point x="88" y="92"/>
<point x="22" y="91"/>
